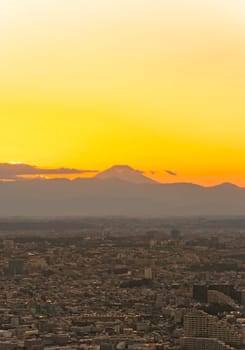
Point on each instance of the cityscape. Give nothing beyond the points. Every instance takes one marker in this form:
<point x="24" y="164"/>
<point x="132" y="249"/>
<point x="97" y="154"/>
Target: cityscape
<point x="122" y="175"/>
<point x="117" y="283"/>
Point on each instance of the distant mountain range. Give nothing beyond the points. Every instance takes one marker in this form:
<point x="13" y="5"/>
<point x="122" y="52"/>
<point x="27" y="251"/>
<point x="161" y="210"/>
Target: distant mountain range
<point x="124" y="173"/>
<point x="120" y="190"/>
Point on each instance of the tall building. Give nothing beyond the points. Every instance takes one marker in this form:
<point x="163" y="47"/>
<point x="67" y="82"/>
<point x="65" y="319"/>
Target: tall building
<point x="199" y="324"/>
<point x="200" y="292"/>
<point x="191" y="343"/>
<point x="227" y="289"/>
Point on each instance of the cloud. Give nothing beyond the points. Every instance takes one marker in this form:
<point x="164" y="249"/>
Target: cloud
<point x="170" y="172"/>
<point x="15" y="171"/>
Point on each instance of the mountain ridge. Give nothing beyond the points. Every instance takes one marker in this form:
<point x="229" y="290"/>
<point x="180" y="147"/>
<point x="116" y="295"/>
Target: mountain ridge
<point x="124" y="173"/>
<point x="110" y="196"/>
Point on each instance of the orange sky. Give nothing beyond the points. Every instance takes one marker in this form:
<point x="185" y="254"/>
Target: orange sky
<point x="154" y="84"/>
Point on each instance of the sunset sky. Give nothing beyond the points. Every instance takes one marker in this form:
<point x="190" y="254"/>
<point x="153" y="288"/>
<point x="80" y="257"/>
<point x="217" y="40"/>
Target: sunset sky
<point x="155" y="84"/>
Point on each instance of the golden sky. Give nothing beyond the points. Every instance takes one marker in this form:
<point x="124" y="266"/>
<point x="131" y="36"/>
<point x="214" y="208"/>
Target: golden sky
<point x="156" y="84"/>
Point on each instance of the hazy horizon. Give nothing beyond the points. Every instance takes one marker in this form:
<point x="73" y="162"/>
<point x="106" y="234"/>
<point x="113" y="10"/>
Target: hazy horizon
<point x="11" y="172"/>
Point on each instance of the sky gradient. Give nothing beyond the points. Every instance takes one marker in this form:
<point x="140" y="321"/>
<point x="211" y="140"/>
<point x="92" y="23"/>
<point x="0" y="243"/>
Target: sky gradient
<point x="151" y="83"/>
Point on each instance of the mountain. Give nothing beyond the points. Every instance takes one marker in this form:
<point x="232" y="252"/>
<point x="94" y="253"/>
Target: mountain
<point x="112" y="195"/>
<point x="124" y="173"/>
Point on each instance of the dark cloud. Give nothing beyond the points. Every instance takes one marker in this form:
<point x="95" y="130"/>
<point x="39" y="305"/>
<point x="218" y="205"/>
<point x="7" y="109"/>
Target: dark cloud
<point x="13" y="171"/>
<point x="170" y="172"/>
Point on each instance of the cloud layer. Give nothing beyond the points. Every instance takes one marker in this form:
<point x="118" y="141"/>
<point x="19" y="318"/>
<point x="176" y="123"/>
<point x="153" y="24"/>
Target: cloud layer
<point x="170" y="172"/>
<point x="16" y="171"/>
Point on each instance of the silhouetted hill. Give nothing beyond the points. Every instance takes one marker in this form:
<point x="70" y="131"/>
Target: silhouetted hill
<point x="97" y="197"/>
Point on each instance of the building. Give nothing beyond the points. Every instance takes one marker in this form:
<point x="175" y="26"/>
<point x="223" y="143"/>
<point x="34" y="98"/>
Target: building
<point x="15" y="267"/>
<point x="190" y="343"/>
<point x="148" y="274"/>
<point x="200" y="292"/>
<point x="199" y="324"/>
<point x="215" y="297"/>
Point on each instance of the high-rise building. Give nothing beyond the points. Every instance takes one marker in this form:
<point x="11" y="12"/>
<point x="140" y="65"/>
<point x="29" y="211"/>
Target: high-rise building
<point x="200" y="292"/>
<point x="191" y="343"/>
<point x="199" y="324"/>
